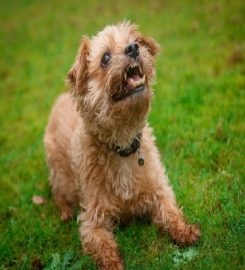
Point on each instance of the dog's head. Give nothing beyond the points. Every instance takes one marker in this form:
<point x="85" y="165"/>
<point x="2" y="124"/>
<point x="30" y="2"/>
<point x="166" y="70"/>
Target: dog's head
<point x="111" y="79"/>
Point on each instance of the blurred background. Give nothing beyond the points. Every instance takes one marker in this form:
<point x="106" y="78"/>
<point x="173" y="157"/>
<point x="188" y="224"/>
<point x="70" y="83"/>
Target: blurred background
<point x="197" y="115"/>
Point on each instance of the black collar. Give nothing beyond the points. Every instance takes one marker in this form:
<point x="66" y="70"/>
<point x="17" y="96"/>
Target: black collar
<point x="125" y="152"/>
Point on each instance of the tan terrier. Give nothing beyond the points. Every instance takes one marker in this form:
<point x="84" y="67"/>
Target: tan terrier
<point x="100" y="150"/>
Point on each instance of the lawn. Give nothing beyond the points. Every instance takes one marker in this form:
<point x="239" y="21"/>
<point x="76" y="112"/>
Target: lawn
<point x="198" y="115"/>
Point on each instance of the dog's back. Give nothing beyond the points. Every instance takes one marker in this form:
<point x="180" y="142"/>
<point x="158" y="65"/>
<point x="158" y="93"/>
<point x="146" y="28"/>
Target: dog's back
<point x="62" y="123"/>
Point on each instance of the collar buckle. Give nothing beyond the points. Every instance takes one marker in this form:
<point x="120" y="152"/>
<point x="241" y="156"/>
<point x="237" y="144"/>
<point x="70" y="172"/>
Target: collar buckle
<point x="135" y="146"/>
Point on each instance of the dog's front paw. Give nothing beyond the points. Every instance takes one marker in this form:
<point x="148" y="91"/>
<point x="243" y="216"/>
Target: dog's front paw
<point x="113" y="266"/>
<point x="187" y="235"/>
<point x="110" y="259"/>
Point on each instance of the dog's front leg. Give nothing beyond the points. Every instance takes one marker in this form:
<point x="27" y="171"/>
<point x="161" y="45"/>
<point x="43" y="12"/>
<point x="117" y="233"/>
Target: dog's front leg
<point x="98" y="240"/>
<point x="167" y="216"/>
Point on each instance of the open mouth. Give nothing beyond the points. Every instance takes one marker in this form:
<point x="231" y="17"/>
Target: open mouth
<point x="133" y="82"/>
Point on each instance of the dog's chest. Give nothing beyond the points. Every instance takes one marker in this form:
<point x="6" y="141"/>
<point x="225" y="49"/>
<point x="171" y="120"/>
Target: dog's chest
<point x="124" y="180"/>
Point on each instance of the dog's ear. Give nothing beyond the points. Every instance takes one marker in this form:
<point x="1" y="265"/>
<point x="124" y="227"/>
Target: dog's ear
<point x="77" y="77"/>
<point x="152" y="46"/>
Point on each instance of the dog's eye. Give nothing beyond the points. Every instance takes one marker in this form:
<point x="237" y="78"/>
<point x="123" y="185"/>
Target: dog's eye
<point x="105" y="59"/>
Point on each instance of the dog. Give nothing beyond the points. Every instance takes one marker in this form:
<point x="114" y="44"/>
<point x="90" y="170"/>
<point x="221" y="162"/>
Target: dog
<point x="100" y="150"/>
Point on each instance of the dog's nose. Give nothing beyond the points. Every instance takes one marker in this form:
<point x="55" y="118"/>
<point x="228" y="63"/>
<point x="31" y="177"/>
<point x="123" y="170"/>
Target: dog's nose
<point x="132" y="50"/>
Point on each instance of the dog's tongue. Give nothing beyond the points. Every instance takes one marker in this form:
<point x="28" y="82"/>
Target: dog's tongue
<point x="135" y="81"/>
<point x="136" y="77"/>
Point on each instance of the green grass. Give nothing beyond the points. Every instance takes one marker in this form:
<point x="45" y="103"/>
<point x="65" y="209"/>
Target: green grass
<point x="198" y="116"/>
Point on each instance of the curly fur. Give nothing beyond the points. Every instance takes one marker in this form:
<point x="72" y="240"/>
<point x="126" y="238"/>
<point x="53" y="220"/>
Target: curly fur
<point x="84" y="125"/>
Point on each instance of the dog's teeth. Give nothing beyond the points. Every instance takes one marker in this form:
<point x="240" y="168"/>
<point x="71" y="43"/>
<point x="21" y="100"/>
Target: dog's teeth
<point x="142" y="80"/>
<point x="135" y="83"/>
<point x="140" y="69"/>
<point x="125" y="76"/>
<point x="132" y="83"/>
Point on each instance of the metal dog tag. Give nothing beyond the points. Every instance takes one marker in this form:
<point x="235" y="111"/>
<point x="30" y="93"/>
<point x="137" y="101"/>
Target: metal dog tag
<point x="141" y="160"/>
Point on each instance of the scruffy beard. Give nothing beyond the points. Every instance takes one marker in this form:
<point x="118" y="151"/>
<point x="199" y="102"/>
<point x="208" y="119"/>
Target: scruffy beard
<point x="117" y="121"/>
